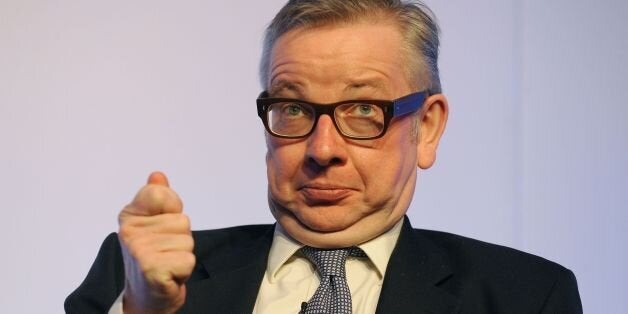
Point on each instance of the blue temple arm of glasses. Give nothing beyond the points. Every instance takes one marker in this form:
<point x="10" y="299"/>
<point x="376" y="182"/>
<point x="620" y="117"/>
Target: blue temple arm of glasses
<point x="409" y="103"/>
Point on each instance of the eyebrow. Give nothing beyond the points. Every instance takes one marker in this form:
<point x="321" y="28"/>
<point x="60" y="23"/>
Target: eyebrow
<point x="353" y="86"/>
<point x="374" y="84"/>
<point x="359" y="83"/>
<point x="281" y="85"/>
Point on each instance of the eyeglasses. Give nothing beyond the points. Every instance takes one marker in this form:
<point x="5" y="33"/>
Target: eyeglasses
<point x="362" y="119"/>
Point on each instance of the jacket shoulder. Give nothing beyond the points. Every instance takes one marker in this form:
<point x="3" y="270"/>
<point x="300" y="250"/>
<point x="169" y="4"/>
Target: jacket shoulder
<point x="509" y="278"/>
<point x="478" y="255"/>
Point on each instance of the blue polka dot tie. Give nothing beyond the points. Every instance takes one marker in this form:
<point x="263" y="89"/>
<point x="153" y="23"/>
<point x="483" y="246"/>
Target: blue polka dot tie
<point x="333" y="295"/>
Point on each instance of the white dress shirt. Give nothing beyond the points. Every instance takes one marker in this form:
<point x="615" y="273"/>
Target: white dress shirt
<point x="291" y="279"/>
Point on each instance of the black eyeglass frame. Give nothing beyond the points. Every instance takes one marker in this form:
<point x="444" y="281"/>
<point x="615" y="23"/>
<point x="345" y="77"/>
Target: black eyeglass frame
<point x="391" y="109"/>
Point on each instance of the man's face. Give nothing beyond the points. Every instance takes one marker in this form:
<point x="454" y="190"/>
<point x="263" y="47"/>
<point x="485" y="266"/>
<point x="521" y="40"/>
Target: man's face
<point x="326" y="190"/>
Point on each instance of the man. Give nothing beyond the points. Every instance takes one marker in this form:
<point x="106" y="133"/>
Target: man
<point x="352" y="106"/>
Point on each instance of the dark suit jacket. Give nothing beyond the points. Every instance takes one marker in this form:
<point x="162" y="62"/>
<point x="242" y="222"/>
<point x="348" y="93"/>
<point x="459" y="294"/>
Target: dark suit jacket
<point x="428" y="272"/>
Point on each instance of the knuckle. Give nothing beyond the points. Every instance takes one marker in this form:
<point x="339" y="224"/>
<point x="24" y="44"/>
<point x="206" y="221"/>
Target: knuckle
<point x="189" y="259"/>
<point x="123" y="215"/>
<point x="184" y="221"/>
<point x="125" y="232"/>
<point x="189" y="243"/>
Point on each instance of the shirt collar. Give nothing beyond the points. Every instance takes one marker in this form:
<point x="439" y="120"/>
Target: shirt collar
<point x="378" y="249"/>
<point x="281" y="250"/>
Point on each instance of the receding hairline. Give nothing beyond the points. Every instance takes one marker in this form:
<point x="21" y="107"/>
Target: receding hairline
<point x="382" y="16"/>
<point x="377" y="14"/>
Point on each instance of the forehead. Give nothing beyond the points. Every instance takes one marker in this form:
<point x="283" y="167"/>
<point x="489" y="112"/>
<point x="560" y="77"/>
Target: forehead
<point x="339" y="56"/>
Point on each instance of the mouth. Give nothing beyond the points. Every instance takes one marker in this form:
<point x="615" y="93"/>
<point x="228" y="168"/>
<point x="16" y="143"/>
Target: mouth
<point x="324" y="194"/>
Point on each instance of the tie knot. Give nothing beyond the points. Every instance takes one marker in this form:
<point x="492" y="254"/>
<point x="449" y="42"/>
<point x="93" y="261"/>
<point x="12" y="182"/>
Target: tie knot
<point x="333" y="294"/>
<point x="331" y="262"/>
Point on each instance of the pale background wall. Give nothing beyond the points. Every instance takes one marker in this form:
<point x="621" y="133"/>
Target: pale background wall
<point x="95" y="95"/>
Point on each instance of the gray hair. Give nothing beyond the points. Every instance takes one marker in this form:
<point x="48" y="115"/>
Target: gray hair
<point x="415" y="20"/>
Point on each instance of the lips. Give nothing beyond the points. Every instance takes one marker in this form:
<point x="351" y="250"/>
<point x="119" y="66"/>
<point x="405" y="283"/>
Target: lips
<point x="324" y="194"/>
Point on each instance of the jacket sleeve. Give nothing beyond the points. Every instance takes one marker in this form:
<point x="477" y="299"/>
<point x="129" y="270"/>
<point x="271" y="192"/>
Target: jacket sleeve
<point x="103" y="284"/>
<point x="564" y="297"/>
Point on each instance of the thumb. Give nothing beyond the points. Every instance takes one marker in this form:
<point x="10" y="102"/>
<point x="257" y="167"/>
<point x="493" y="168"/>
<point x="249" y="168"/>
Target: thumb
<point x="159" y="178"/>
<point x="154" y="198"/>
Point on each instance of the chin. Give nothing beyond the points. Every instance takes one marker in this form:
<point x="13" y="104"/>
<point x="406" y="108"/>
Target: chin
<point x="323" y="226"/>
<point x="325" y="220"/>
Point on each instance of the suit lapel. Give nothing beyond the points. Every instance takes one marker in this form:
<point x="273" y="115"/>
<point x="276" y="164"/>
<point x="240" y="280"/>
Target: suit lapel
<point x="415" y="269"/>
<point x="233" y="280"/>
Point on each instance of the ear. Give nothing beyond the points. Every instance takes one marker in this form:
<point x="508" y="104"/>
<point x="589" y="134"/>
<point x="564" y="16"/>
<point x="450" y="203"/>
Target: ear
<point x="433" y="118"/>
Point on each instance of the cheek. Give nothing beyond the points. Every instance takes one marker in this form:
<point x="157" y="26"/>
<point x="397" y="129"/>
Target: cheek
<point x="381" y="182"/>
<point x="395" y="163"/>
<point x="282" y="162"/>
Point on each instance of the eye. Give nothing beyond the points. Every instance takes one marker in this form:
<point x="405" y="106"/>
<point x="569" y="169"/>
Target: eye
<point x="365" y="109"/>
<point x="361" y="110"/>
<point x="293" y="109"/>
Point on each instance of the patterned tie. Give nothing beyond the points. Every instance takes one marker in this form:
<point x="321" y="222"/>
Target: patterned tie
<point x="333" y="295"/>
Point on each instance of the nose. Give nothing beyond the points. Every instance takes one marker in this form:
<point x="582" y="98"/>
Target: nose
<point x="325" y="146"/>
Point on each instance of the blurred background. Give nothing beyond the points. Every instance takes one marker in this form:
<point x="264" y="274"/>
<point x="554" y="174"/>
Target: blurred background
<point x="96" y="94"/>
